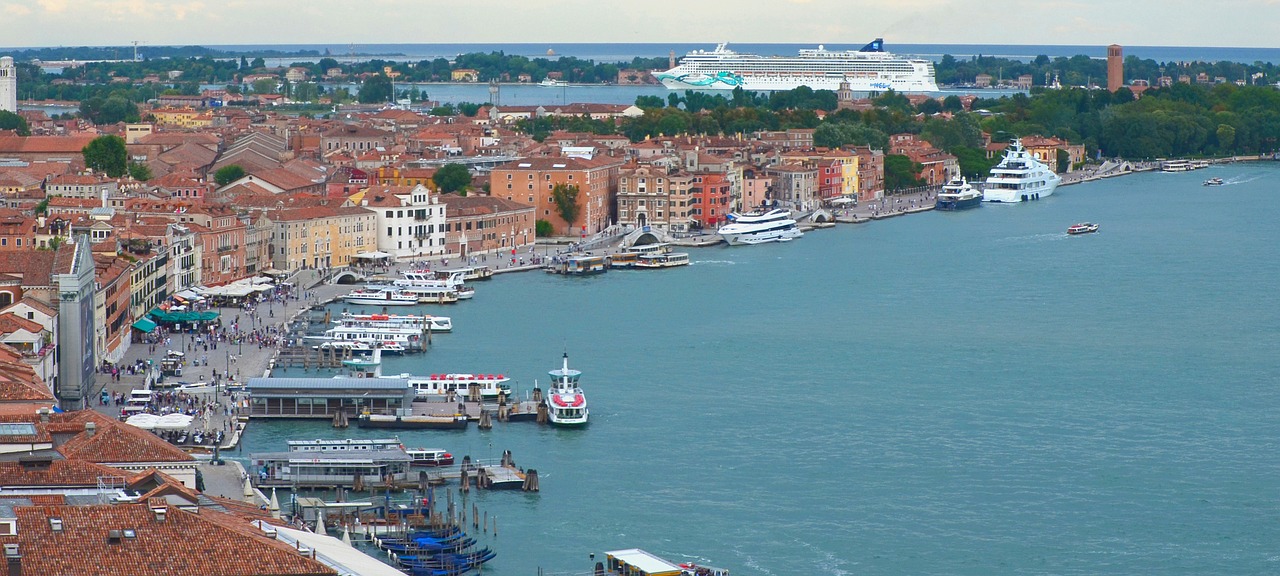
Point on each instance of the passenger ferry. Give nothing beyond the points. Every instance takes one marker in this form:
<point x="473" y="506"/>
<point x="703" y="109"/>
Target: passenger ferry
<point x="429" y="285"/>
<point x="345" y="445"/>
<point x="469" y="273"/>
<point x="958" y="194"/>
<point x="626" y="259"/>
<point x="429" y="457"/>
<point x="406" y="337"/>
<point x="440" y="386"/>
<point x="582" y="265"/>
<point x="347" y="345"/>
<point x="423" y="294"/>
<point x="381" y="296"/>
<point x="773" y="226"/>
<point x="663" y="260"/>
<point x="1019" y="177"/>
<point x="566" y="404"/>
<point x="315" y="464"/>
<point x="870" y="69"/>
<point x="424" y="322"/>
<point x="1082" y="228"/>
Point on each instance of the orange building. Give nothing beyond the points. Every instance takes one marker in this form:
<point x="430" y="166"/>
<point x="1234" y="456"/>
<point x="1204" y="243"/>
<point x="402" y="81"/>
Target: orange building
<point x="531" y="181"/>
<point x="1115" y="67"/>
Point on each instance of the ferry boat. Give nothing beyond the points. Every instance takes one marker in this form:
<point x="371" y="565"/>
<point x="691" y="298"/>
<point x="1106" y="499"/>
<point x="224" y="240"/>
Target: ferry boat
<point x="1213" y="182"/>
<point x="581" y="265"/>
<point x="429" y="457"/>
<point x="422" y="421"/>
<point x="374" y="337"/>
<point x="552" y="83"/>
<point x="626" y="259"/>
<point x="1019" y="177"/>
<point x="331" y="468"/>
<point x="432" y="286"/>
<point x="1176" y="166"/>
<point x="423" y="322"/>
<point x="435" y="387"/>
<point x="869" y="69"/>
<point x="381" y="296"/>
<point x="566" y="404"/>
<point x="345" y="445"/>
<point x="468" y="273"/>
<point x="773" y="226"/>
<point x="422" y="294"/>
<point x="663" y="260"/>
<point x="1082" y="228"/>
<point x="347" y="345"/>
<point x="637" y="562"/>
<point x="958" y="194"/>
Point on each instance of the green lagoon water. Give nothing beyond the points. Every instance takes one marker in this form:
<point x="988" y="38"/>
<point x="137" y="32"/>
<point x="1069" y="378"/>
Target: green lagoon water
<point x="946" y="393"/>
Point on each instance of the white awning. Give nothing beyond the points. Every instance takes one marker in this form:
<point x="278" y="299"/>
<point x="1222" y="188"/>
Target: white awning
<point x="332" y="552"/>
<point x="372" y="255"/>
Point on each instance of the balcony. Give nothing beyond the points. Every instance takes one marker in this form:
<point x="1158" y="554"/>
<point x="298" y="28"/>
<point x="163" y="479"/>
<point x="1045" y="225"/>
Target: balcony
<point x="225" y="249"/>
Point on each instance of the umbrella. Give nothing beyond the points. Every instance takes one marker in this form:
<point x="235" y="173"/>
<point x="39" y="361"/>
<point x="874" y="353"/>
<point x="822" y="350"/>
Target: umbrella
<point x="143" y="421"/>
<point x="174" y="421"/>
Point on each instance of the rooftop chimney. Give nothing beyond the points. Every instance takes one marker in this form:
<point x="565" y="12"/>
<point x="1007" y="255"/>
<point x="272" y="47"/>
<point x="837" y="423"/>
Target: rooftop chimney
<point x="13" y="559"/>
<point x="90" y="428"/>
<point x="44" y="415"/>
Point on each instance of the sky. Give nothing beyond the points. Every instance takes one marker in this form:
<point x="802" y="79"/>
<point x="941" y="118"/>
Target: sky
<point x="1222" y="23"/>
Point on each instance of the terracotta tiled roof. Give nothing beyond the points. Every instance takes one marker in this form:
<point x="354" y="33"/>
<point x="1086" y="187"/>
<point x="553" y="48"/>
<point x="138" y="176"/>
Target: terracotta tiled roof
<point x="456" y="205"/>
<point x="10" y="323"/>
<point x="43" y="144"/>
<point x="35" y="266"/>
<point x="317" y="212"/>
<point x="116" y="442"/>
<point x="61" y="473"/>
<point x="184" y="543"/>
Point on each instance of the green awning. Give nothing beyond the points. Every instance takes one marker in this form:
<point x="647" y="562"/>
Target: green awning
<point x="145" y="325"/>
<point x="166" y="317"/>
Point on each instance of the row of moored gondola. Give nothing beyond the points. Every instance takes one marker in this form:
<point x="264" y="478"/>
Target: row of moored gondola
<point x="436" y="552"/>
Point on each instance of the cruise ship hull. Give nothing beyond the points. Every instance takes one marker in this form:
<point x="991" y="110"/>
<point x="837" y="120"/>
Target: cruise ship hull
<point x="780" y="83"/>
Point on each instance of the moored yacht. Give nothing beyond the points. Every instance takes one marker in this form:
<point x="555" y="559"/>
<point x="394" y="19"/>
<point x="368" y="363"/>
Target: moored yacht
<point x="958" y="194"/>
<point x="773" y="226"/>
<point x="566" y="404"/>
<point x="1019" y="177"/>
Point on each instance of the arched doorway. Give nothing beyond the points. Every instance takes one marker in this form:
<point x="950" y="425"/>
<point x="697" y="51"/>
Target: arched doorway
<point x="642" y="219"/>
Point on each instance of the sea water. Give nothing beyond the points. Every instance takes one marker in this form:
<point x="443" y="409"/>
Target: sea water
<point x="946" y="393"/>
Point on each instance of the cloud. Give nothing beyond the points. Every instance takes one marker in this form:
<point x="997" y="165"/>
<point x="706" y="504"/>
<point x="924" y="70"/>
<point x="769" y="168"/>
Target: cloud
<point x="53" y="5"/>
<point x="16" y="10"/>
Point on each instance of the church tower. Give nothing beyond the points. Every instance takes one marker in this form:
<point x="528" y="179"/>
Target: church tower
<point x="1115" y="67"/>
<point x="8" y="85"/>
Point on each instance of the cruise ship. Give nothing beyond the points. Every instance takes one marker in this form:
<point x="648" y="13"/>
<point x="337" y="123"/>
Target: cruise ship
<point x="1019" y="177"/>
<point x="870" y="69"/>
<point x="772" y="226"/>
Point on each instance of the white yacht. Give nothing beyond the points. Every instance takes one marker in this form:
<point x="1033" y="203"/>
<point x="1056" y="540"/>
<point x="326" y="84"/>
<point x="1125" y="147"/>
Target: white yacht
<point x="566" y="404"/>
<point x="429" y="286"/>
<point x="957" y="194"/>
<point x="1019" y="177"/>
<point x="772" y="226"/>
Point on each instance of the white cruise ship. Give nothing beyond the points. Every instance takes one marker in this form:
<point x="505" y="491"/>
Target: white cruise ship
<point x="772" y="226"/>
<point x="870" y="69"/>
<point x="1019" y="177"/>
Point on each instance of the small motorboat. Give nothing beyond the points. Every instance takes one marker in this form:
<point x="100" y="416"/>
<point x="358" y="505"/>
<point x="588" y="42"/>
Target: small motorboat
<point x="1082" y="228"/>
<point x="1213" y="182"/>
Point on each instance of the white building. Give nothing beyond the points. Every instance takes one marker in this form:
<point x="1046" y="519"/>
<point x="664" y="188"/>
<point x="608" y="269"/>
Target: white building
<point x="8" y="85"/>
<point x="410" y="220"/>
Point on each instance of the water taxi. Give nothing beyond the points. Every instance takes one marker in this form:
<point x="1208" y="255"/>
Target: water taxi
<point x="1082" y="228"/>
<point x="429" y="457"/>
<point x="1213" y="182"/>
<point x="663" y="260"/>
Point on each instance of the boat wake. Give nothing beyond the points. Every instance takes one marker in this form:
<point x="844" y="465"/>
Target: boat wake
<point x="715" y="262"/>
<point x="1031" y="238"/>
<point x="1242" y="179"/>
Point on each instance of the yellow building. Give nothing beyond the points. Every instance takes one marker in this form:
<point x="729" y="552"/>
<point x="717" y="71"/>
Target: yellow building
<point x="182" y="117"/>
<point x="321" y="236"/>
<point x="465" y="75"/>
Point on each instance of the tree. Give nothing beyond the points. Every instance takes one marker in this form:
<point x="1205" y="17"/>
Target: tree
<point x="452" y="178"/>
<point x="543" y="229"/>
<point x="565" y="197"/>
<point x="375" y="90"/>
<point x="900" y="172"/>
<point x="107" y="154"/>
<point x="1226" y="135"/>
<point x="264" y="86"/>
<point x="325" y="64"/>
<point x="258" y="63"/>
<point x="650" y="102"/>
<point x="11" y="121"/>
<point x="139" y="172"/>
<point x="228" y="174"/>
